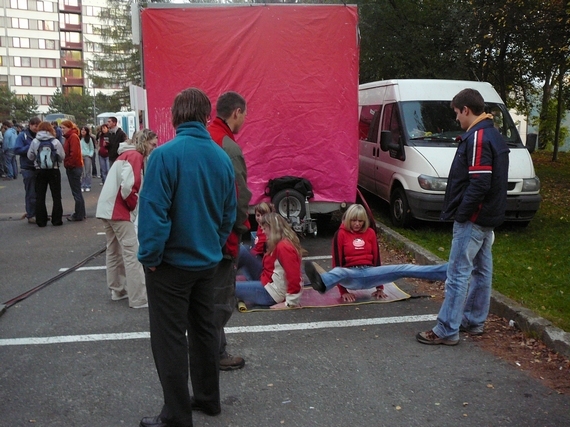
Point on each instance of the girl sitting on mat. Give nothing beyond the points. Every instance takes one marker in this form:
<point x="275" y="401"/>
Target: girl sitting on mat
<point x="355" y="246"/>
<point x="249" y="260"/>
<point x="281" y="274"/>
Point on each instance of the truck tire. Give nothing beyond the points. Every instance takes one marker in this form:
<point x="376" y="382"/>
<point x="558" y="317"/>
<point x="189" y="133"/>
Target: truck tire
<point x="400" y="212"/>
<point x="296" y="203"/>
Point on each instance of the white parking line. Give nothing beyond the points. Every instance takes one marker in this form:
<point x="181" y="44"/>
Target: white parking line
<point x="233" y="330"/>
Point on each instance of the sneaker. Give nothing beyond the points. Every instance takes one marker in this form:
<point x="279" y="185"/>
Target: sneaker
<point x="231" y="363"/>
<point x="32" y="220"/>
<point x="101" y="183"/>
<point x="87" y="189"/>
<point x="145" y="305"/>
<point x="82" y="190"/>
<point x="314" y="277"/>
<point x="203" y="407"/>
<point x="118" y="296"/>
<point x="430" y="338"/>
<point x="471" y="331"/>
<point x="73" y="218"/>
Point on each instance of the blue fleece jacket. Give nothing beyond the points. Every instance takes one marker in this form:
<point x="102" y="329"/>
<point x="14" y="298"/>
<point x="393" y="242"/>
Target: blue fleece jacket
<point x="23" y="143"/>
<point x="187" y="205"/>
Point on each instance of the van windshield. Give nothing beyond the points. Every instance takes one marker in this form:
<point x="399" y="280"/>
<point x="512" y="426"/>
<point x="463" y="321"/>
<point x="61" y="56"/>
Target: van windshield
<point x="433" y="122"/>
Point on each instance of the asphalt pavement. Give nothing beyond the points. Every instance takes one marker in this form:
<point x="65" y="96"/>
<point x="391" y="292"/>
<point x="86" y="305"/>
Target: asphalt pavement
<point x="69" y="356"/>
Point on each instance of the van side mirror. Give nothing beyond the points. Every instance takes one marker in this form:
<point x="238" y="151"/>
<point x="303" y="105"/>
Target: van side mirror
<point x="531" y="142"/>
<point x="396" y="150"/>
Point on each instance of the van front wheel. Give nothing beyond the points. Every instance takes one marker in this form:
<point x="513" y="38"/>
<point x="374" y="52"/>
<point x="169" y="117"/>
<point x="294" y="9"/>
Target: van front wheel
<point x="400" y="212"/>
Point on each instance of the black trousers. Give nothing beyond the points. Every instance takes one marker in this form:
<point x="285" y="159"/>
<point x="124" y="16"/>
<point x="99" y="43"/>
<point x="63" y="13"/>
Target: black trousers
<point x="180" y="302"/>
<point x="51" y="178"/>
<point x="224" y="298"/>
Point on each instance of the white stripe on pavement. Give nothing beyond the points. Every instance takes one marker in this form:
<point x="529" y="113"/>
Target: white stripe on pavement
<point x="233" y="330"/>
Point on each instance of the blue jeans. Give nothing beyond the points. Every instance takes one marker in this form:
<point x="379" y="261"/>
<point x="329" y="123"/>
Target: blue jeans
<point x="11" y="162"/>
<point x="86" y="176"/>
<point x="469" y="279"/>
<point x="249" y="265"/>
<point x="104" y="167"/>
<point x="30" y="188"/>
<point x="74" y="178"/>
<point x="367" y="278"/>
<point x="253" y="292"/>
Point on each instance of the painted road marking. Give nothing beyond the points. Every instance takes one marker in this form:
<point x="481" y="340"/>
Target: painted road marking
<point x="233" y="330"/>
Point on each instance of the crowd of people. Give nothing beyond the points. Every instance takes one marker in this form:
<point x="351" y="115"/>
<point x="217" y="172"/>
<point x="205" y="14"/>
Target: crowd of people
<point x="185" y="271"/>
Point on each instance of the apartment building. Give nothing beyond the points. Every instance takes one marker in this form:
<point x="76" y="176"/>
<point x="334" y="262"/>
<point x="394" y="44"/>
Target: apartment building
<point x="46" y="45"/>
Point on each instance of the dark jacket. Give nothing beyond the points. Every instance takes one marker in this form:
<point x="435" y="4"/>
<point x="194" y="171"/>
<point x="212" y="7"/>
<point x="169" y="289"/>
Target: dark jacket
<point x="23" y="142"/>
<point x="115" y="138"/>
<point x="478" y="178"/>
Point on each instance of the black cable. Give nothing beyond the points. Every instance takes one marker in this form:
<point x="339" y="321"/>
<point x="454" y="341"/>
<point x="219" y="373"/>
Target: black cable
<point x="32" y="291"/>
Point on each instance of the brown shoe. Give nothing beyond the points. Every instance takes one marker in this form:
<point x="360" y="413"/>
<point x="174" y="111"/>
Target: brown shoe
<point x="231" y="363"/>
<point x="430" y="338"/>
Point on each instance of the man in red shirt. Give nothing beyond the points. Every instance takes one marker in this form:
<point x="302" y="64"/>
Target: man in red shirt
<point x="230" y="111"/>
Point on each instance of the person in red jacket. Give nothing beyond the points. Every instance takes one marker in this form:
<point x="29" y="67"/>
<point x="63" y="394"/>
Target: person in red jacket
<point x="355" y="246"/>
<point x="281" y="279"/>
<point x="73" y="163"/>
<point x="230" y="116"/>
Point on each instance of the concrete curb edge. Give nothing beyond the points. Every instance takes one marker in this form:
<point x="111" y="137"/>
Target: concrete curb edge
<point x="527" y="321"/>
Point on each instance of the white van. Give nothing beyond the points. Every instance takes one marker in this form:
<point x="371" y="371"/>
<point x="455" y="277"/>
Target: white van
<point x="407" y="143"/>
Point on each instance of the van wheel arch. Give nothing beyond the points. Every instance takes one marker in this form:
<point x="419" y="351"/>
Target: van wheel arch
<point x="400" y="212"/>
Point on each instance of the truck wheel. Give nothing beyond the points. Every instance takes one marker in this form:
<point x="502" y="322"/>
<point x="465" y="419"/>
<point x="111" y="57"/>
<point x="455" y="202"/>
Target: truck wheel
<point x="296" y="203"/>
<point x="400" y="213"/>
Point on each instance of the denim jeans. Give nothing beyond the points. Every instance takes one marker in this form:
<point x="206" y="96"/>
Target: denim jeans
<point x="367" y="278"/>
<point x="104" y="167"/>
<point x="86" y="176"/>
<point x="74" y="178"/>
<point x="253" y="292"/>
<point x="469" y="279"/>
<point x="30" y="188"/>
<point x="11" y="162"/>
<point x="249" y="265"/>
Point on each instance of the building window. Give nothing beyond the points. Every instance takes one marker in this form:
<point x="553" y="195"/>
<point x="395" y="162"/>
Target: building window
<point x="45" y="6"/>
<point x="47" y="81"/>
<point x="22" y="61"/>
<point x="92" y="10"/>
<point x="68" y="39"/>
<point x="21" y="42"/>
<point x="20" y="23"/>
<point x="46" y="44"/>
<point x="71" y="2"/>
<point x="46" y="25"/>
<point x="45" y="99"/>
<point x="22" y="81"/>
<point x="47" y="63"/>
<point x="69" y="18"/>
<point x="19" y="4"/>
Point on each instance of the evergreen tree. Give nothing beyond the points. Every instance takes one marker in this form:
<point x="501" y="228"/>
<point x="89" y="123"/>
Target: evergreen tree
<point x="25" y="108"/>
<point x="6" y="103"/>
<point x="81" y="106"/>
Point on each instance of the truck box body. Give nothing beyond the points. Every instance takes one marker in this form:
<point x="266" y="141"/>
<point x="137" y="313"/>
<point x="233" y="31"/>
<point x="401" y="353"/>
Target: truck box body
<point x="297" y="68"/>
<point x="422" y="127"/>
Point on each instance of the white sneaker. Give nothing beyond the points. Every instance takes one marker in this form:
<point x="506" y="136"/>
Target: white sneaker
<point x="82" y="190"/>
<point x="87" y="189"/>
<point x="145" y="305"/>
<point x="118" y="296"/>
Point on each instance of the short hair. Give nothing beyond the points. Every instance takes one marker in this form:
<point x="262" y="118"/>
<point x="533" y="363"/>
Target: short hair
<point x="113" y="119"/>
<point x="191" y="105"/>
<point x="7" y="123"/>
<point x="35" y="121"/>
<point x="228" y="102"/>
<point x="469" y="98"/>
<point x="46" y="126"/>
<point x="356" y="211"/>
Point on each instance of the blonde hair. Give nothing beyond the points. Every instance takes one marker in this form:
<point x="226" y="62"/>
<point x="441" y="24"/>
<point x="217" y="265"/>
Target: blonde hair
<point x="140" y="139"/>
<point x="356" y="211"/>
<point x="279" y="229"/>
<point x="264" y="208"/>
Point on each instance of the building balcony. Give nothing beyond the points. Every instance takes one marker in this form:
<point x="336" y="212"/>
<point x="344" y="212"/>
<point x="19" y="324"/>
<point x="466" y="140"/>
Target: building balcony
<point x="67" y="8"/>
<point x="69" y="27"/>
<point x="71" y="45"/>
<point x="72" y="81"/>
<point x="71" y="63"/>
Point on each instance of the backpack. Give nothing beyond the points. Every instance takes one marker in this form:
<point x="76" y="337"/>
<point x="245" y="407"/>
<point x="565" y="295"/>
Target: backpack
<point x="47" y="155"/>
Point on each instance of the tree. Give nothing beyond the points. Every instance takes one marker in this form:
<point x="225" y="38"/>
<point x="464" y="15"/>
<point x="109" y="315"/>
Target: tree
<point x="6" y="103"/>
<point x="81" y="106"/>
<point x="25" y="108"/>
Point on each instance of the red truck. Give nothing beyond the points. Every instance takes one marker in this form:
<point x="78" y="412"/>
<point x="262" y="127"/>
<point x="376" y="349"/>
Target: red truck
<point x="296" y="66"/>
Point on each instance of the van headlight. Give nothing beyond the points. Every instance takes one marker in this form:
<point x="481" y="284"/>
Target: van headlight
<point x="531" y="184"/>
<point x="432" y="183"/>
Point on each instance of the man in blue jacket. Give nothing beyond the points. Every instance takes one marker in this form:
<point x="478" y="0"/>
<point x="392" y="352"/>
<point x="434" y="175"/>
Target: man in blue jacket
<point x="27" y="166"/>
<point x="187" y="209"/>
<point x="476" y="199"/>
<point x="8" y="145"/>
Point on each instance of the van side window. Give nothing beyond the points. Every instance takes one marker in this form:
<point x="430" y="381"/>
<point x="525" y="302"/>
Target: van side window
<point x="368" y="125"/>
<point x="391" y="122"/>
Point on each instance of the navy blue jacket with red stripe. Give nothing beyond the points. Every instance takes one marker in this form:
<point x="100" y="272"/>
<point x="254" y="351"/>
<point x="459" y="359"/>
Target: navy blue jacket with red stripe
<point x="478" y="178"/>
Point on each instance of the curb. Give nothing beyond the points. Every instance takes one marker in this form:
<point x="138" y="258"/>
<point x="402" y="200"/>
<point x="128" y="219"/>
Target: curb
<point x="527" y="321"/>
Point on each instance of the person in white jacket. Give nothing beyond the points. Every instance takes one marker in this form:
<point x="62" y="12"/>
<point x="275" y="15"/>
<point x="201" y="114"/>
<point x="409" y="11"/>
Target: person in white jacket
<point x="118" y="208"/>
<point x="48" y="174"/>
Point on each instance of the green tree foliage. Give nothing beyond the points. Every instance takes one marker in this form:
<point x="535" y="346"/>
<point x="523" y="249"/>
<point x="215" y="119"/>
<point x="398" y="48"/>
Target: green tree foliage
<point x="81" y="106"/>
<point x="25" y="108"/>
<point x="6" y="103"/>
